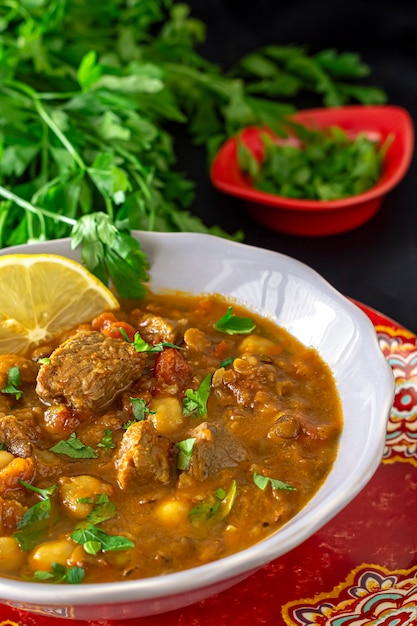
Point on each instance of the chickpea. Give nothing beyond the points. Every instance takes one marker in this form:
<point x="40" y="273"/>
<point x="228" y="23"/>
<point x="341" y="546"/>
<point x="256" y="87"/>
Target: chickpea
<point x="168" y="417"/>
<point x="173" y="511"/>
<point x="46" y="554"/>
<point x="5" y="458"/>
<point x="256" y="344"/>
<point x="74" y="489"/>
<point x="11" y="556"/>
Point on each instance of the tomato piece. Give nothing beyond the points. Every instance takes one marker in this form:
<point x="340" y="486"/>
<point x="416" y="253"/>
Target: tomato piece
<point x="114" y="331"/>
<point x="222" y="350"/>
<point x="104" y="320"/>
<point x="171" y="368"/>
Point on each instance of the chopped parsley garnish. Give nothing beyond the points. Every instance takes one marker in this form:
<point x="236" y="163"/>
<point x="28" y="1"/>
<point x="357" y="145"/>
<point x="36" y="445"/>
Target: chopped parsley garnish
<point x="227" y="362"/>
<point x="107" y="440"/>
<point x="38" y="512"/>
<point x="103" y="509"/>
<point x="95" y="540"/>
<point x="195" y="402"/>
<point x="140" y="344"/>
<point x="46" y="492"/>
<point x="262" y="482"/>
<point x="328" y="165"/>
<point x="185" y="451"/>
<point x="139" y="408"/>
<point x="215" y="507"/>
<point x="61" y="574"/>
<point x="32" y="523"/>
<point x="14" y="381"/>
<point x="233" y="324"/>
<point x="74" y="448"/>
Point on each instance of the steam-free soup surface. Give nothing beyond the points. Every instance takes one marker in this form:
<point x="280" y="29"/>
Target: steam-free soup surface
<point x="147" y="441"/>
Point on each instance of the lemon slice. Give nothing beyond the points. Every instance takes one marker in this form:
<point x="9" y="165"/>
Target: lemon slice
<point x="42" y="295"/>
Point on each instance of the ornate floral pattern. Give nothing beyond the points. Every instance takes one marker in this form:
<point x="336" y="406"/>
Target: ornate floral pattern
<point x="400" y="348"/>
<point x="371" y="595"/>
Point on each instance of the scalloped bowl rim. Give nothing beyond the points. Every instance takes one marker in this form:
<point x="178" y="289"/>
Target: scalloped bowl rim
<point x="259" y="278"/>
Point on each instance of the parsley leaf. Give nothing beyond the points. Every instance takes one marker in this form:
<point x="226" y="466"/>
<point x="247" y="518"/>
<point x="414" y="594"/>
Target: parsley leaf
<point x="60" y="574"/>
<point x="185" y="451"/>
<point x="195" y="402"/>
<point x="44" y="361"/>
<point x="139" y="410"/>
<point x="36" y="513"/>
<point x="44" y="493"/>
<point x="262" y="482"/>
<point x="107" y="440"/>
<point x="141" y="345"/>
<point x="95" y="540"/>
<point x="215" y="507"/>
<point x="91" y="117"/>
<point x="74" y="448"/>
<point x="31" y="525"/>
<point x="13" y="382"/>
<point x="233" y="324"/>
<point x="103" y="509"/>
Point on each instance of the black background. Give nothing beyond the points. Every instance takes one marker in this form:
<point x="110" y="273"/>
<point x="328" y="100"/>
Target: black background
<point x="377" y="262"/>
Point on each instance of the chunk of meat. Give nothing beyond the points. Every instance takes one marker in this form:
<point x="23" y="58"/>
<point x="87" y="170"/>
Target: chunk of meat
<point x="144" y="456"/>
<point x="11" y="512"/>
<point x="214" y="449"/>
<point x="155" y="329"/>
<point x="17" y="436"/>
<point x="88" y="371"/>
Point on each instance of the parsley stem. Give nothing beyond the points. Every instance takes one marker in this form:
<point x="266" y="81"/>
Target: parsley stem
<point x="9" y="195"/>
<point x="218" y="85"/>
<point x="66" y="95"/>
<point x="109" y="206"/>
<point x="44" y="115"/>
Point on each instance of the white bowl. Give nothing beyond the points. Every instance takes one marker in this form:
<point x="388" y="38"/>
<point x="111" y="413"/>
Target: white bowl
<point x="300" y="300"/>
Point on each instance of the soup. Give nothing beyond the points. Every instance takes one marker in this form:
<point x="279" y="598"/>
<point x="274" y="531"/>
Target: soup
<point x="158" y="438"/>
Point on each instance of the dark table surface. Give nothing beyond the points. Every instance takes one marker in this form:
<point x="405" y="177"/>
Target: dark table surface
<point x="377" y="262"/>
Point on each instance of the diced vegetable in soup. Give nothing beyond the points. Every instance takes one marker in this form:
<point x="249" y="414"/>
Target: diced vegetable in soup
<point x="158" y="438"/>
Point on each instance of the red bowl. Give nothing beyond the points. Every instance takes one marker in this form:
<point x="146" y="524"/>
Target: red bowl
<point x="320" y="217"/>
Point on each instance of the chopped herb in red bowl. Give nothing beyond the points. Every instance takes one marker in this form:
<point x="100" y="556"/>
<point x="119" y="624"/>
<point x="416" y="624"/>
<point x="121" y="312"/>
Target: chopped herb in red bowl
<point x="319" y="165"/>
<point x="328" y="176"/>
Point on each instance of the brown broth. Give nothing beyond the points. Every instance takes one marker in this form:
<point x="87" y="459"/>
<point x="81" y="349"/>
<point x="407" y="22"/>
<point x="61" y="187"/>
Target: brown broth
<point x="273" y="411"/>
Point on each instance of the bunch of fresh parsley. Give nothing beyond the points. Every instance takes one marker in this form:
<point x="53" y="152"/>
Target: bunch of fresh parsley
<point x="90" y="93"/>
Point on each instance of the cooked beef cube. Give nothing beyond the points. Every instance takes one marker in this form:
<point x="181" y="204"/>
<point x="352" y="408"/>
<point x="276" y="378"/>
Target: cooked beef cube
<point x="214" y="450"/>
<point x="16" y="436"/>
<point x="11" y="512"/>
<point x="155" y="329"/>
<point x="144" y="456"/>
<point x="88" y="371"/>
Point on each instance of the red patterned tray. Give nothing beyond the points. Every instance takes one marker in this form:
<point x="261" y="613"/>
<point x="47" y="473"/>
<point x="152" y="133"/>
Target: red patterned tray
<point x="360" y="569"/>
